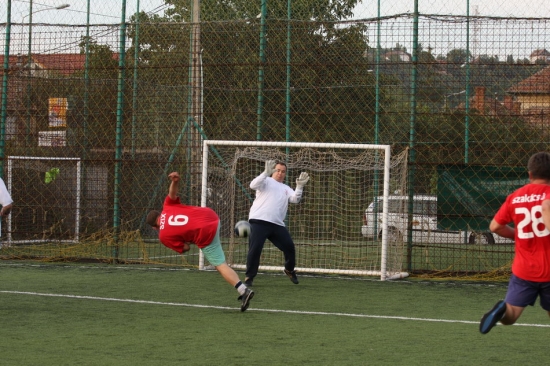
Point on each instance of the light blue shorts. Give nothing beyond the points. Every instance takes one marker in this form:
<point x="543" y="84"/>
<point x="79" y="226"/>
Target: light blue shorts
<point x="214" y="252"/>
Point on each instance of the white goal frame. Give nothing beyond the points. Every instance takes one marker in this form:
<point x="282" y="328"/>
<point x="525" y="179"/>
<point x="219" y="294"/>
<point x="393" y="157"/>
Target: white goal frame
<point x="385" y="151"/>
<point x="9" y="184"/>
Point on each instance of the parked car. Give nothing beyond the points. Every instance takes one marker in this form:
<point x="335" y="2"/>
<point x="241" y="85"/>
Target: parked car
<point x="424" y="222"/>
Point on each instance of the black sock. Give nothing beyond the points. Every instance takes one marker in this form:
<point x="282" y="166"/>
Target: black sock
<point x="238" y="284"/>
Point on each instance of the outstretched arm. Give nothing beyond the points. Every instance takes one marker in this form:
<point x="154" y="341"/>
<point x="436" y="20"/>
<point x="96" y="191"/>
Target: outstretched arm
<point x="258" y="182"/>
<point x="174" y="185"/>
<point x="300" y="183"/>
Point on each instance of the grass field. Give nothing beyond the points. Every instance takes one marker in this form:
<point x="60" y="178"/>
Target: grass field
<point x="440" y="259"/>
<point x="69" y="314"/>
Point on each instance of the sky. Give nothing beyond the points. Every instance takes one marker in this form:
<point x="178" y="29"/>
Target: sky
<point x="489" y="37"/>
<point x="101" y="11"/>
<point x="108" y="11"/>
<point x="43" y="11"/>
<point x="497" y="8"/>
<point x="485" y="38"/>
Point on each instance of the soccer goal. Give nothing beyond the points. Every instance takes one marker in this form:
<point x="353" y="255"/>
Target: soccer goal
<point x="46" y="193"/>
<point x="327" y="225"/>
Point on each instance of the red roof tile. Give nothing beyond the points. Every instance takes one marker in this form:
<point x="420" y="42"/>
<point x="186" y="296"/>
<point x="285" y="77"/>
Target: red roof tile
<point x="63" y="63"/>
<point x="538" y="83"/>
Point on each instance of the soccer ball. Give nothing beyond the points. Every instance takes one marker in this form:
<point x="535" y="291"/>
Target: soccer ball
<point x="242" y="229"/>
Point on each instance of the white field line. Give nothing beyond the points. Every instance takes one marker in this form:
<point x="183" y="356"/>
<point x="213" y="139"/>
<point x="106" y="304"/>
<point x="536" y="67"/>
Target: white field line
<point x="257" y="310"/>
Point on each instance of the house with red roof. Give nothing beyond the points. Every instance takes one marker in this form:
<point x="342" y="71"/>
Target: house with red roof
<point x="21" y="70"/>
<point x="21" y="111"/>
<point x="45" y="65"/>
<point x="489" y="105"/>
<point x="533" y="96"/>
<point x="540" y="55"/>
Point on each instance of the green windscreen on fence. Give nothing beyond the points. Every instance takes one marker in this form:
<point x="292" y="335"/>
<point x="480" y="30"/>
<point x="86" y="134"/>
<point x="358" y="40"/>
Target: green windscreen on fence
<point x="469" y="196"/>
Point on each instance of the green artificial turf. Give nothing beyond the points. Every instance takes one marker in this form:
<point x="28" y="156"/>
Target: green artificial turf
<point x="69" y="314"/>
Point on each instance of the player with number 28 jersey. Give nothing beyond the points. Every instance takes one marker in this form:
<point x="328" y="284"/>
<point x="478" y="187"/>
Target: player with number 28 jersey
<point x="528" y="209"/>
<point x="532" y="252"/>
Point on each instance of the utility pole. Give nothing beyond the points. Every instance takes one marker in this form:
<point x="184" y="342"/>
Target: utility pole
<point x="195" y="127"/>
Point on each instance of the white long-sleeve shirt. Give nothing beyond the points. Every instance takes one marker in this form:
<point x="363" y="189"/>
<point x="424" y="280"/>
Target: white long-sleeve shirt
<point x="272" y="198"/>
<point x="5" y="197"/>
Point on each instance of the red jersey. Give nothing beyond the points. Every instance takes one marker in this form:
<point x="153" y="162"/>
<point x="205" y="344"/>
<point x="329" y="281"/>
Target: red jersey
<point x="532" y="249"/>
<point x="181" y="224"/>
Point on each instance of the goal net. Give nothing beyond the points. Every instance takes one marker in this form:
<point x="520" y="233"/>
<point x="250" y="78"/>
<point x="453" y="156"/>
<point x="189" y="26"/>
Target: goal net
<point x="46" y="194"/>
<point x="326" y="224"/>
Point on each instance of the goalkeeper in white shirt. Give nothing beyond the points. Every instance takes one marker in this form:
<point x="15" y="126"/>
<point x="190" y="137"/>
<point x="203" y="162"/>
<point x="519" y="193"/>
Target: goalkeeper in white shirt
<point x="267" y="216"/>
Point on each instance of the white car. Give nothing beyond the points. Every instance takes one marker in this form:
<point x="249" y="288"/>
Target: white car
<point x="424" y="222"/>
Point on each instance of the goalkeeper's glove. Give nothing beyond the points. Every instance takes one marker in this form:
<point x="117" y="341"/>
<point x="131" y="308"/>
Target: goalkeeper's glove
<point x="302" y="180"/>
<point x="269" y="167"/>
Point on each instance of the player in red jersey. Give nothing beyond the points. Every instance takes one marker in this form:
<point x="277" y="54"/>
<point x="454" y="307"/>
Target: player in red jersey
<point x="528" y="208"/>
<point x="180" y="225"/>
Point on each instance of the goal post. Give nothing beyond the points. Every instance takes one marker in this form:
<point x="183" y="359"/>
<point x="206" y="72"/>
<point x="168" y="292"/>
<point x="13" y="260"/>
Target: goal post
<point x="47" y="200"/>
<point x="326" y="224"/>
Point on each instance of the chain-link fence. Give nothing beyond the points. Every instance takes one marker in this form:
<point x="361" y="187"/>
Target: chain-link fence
<point x="101" y="100"/>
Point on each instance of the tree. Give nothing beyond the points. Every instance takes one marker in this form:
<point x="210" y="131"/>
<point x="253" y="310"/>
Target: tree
<point x="458" y="56"/>
<point x="486" y="59"/>
<point x="326" y="63"/>
<point x="102" y="62"/>
<point x="213" y="10"/>
<point x="425" y="57"/>
<point x="101" y="98"/>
